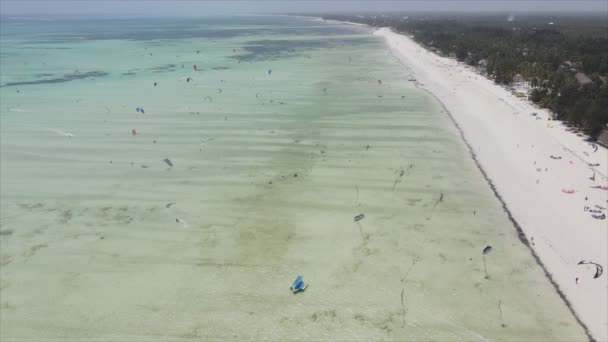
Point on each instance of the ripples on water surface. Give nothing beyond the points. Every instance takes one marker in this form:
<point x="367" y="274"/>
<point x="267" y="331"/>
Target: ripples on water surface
<point x="280" y="138"/>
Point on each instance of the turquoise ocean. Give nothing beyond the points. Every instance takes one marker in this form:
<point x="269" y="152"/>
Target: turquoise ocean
<point x="168" y="178"/>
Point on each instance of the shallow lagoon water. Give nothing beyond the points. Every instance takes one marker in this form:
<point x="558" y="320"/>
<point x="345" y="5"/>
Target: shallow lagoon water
<point x="102" y="239"/>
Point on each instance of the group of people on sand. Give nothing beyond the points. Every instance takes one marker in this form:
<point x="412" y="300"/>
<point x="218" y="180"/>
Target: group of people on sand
<point x="596" y="212"/>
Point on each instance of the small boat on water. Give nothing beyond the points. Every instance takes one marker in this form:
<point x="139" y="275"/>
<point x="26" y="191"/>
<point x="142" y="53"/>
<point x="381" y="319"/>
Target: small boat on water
<point x="298" y="285"/>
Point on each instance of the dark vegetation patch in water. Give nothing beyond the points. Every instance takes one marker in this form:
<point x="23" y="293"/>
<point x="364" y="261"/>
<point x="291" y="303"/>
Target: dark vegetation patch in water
<point x="130" y="72"/>
<point x="64" y="78"/>
<point x="261" y="50"/>
<point x="310" y="31"/>
<point x="161" y="68"/>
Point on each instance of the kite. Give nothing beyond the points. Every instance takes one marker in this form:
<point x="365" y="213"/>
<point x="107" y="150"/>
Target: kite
<point x="485" y="251"/>
<point x="598" y="268"/>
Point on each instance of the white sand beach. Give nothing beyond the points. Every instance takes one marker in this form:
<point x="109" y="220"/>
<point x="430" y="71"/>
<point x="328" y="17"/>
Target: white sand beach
<point x="514" y="147"/>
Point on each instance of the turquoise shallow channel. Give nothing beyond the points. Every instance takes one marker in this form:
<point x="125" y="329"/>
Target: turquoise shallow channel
<point x="191" y="220"/>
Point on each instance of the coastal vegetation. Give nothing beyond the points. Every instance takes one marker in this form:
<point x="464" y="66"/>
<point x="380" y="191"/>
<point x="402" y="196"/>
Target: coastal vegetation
<point x="561" y="61"/>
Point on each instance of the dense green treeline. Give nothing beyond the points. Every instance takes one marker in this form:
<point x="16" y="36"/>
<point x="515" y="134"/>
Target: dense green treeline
<point x="563" y="59"/>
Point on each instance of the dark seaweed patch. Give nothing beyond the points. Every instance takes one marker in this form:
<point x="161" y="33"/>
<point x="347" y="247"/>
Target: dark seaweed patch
<point x="61" y="79"/>
<point x="260" y="50"/>
<point x="130" y="72"/>
<point x="162" y="68"/>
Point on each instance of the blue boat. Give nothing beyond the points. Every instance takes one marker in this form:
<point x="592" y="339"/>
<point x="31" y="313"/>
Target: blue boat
<point x="298" y="285"/>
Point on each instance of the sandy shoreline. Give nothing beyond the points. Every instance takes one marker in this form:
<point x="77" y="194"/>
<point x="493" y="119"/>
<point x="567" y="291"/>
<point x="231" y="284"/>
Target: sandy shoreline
<point x="514" y="148"/>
